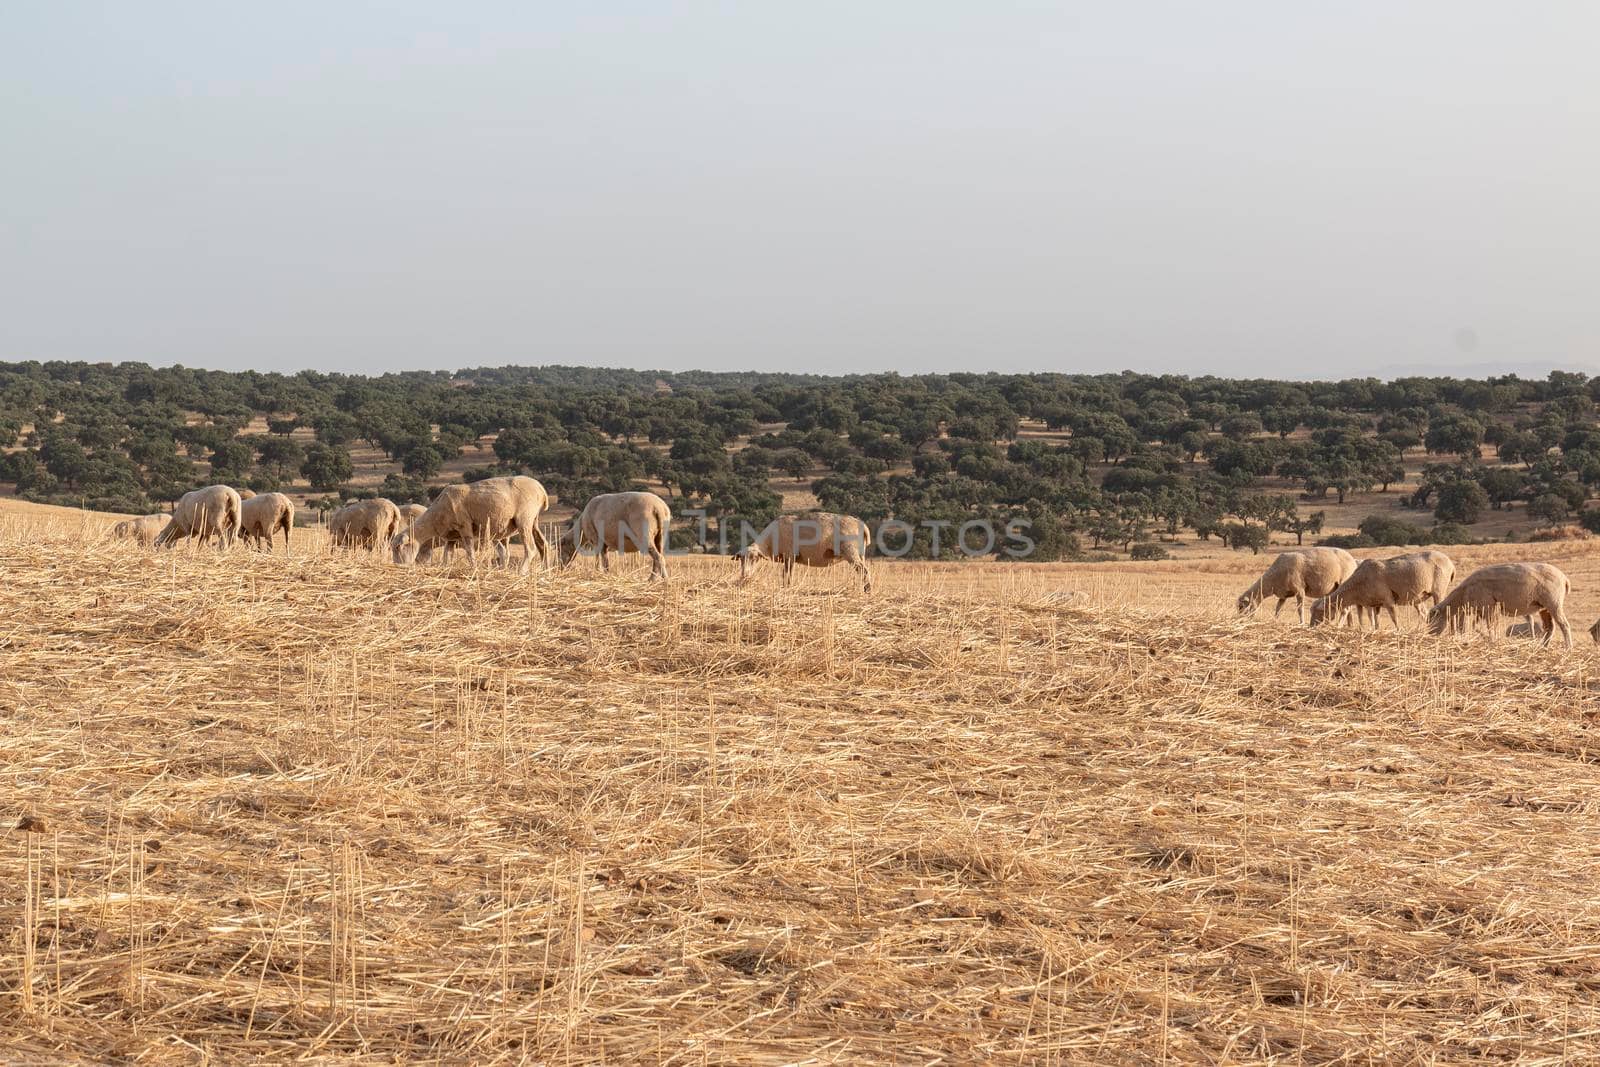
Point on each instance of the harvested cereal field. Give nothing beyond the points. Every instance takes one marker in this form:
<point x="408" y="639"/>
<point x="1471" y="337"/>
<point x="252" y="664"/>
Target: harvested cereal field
<point x="260" y="808"/>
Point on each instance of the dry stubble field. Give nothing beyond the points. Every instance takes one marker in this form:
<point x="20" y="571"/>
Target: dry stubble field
<point x="313" y="808"/>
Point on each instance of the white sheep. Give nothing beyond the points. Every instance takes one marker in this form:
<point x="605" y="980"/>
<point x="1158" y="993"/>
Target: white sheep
<point x="1301" y="574"/>
<point x="410" y="513"/>
<point x="144" y="530"/>
<point x="1507" y="589"/>
<point x="624" y="522"/>
<point x="477" y="514"/>
<point x="819" y="539"/>
<point x="202" y="514"/>
<point x="364" y="524"/>
<point x="262" y="516"/>
<point x="1383" y="584"/>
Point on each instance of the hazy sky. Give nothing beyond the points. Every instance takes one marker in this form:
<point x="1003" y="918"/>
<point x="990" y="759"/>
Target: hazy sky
<point x="1237" y="188"/>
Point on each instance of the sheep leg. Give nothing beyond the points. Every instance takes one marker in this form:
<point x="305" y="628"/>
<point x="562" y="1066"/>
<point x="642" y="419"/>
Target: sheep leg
<point x="605" y="558"/>
<point x="1279" y="609"/>
<point x="861" y="566"/>
<point x="1554" y="617"/>
<point x="1300" y="608"/>
<point x="538" y="539"/>
<point x="1393" y="618"/>
<point x="658" y="564"/>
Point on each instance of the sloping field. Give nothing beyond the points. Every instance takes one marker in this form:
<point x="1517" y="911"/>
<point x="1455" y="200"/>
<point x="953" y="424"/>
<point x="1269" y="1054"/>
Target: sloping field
<point x="318" y="808"/>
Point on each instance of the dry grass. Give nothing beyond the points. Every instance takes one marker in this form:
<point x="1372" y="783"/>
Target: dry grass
<point x="314" y="808"/>
<point x="1567" y="532"/>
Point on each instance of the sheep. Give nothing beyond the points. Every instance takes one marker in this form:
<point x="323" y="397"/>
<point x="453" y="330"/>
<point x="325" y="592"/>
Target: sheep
<point x="145" y="529"/>
<point x="819" y="539"/>
<point x="1509" y="589"/>
<point x="485" y="512"/>
<point x="364" y="523"/>
<point x="246" y="494"/>
<point x="639" y="522"/>
<point x="1299" y="573"/>
<point x="212" y="511"/>
<point x="261" y="517"/>
<point x="1382" y="584"/>
<point x="410" y="513"/>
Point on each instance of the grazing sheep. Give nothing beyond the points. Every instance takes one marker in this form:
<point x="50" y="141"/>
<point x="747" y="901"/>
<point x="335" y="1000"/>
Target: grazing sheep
<point x="204" y="513"/>
<point x="480" y="513"/>
<point x="364" y="523"/>
<point x="1507" y="589"/>
<point x="410" y="513"/>
<point x="1382" y="584"/>
<point x="819" y="539"/>
<point x="637" y="522"/>
<point x="1299" y="573"/>
<point x="144" y="530"/>
<point x="261" y="517"/>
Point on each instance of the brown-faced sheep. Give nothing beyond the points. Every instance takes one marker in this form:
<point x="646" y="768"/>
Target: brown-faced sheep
<point x="204" y="513"/>
<point x="144" y="530"/>
<point x="261" y="517"/>
<point x="624" y="522"/>
<point x="820" y="539"/>
<point x="1301" y="574"/>
<point x="478" y="514"/>
<point x="365" y="524"/>
<point x="1384" y="584"/>
<point x="1507" y="589"/>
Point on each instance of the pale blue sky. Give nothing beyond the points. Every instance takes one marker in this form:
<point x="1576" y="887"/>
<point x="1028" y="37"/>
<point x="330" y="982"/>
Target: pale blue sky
<point x="1236" y="188"/>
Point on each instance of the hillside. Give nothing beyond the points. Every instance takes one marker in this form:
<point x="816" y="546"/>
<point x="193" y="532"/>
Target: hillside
<point x="315" y="807"/>
<point x="1094" y="464"/>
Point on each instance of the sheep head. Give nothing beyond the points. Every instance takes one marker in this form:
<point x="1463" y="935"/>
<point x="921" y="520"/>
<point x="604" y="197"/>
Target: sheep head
<point x="748" y="558"/>
<point x="1438" y="619"/>
<point x="567" y="545"/>
<point x="405" y="548"/>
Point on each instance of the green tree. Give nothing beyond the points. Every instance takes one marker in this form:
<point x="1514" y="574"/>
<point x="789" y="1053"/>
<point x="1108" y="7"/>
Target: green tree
<point x="1460" y="501"/>
<point x="1455" y="434"/>
<point x="231" y="461"/>
<point x="281" y="455"/>
<point x="326" y="467"/>
<point x="1550" y="508"/>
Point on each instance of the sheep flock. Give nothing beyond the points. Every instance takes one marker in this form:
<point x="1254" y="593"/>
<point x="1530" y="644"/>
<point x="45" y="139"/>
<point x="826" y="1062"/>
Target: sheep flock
<point x="488" y="514"/>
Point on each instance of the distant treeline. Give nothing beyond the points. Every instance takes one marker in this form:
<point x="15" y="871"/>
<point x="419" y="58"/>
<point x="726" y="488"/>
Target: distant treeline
<point x="1138" y="455"/>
